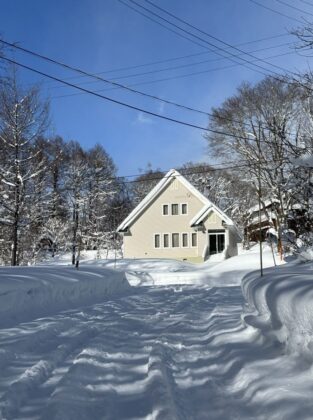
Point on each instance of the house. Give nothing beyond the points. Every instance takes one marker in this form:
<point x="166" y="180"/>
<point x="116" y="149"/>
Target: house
<point x="176" y="221"/>
<point x="254" y="227"/>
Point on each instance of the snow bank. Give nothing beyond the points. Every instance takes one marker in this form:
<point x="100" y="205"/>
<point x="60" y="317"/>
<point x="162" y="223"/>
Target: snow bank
<point x="147" y="272"/>
<point x="28" y="292"/>
<point x="280" y="306"/>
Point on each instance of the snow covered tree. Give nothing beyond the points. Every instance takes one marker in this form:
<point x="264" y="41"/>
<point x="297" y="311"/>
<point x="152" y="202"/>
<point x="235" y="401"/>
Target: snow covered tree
<point x="23" y="118"/>
<point x="265" y="127"/>
<point x="144" y="183"/>
<point x="75" y="185"/>
<point x="101" y="189"/>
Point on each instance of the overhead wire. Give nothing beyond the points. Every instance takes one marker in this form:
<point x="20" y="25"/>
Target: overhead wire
<point x="294" y="7"/>
<point x="276" y="11"/>
<point x="153" y="63"/>
<point x="171" y="77"/>
<point x="183" y="65"/>
<point x="215" y="38"/>
<point x="130" y="106"/>
<point x="117" y="85"/>
<point x="217" y="49"/>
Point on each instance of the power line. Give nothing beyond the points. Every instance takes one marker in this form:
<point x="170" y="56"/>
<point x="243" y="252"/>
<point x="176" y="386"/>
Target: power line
<point x="195" y="171"/>
<point x="152" y="63"/>
<point x="113" y="83"/>
<point x="207" y="34"/>
<point x="174" y="77"/>
<point x="277" y="77"/>
<point x="293" y="7"/>
<point x="217" y="49"/>
<point x="276" y="11"/>
<point x="182" y="66"/>
<point x="307" y="2"/>
<point x="118" y="85"/>
<point x="154" y="114"/>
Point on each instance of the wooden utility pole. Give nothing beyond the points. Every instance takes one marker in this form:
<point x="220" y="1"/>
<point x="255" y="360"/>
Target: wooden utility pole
<point x="260" y="193"/>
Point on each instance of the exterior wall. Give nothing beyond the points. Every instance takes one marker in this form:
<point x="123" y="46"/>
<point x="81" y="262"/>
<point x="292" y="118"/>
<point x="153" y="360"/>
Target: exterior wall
<point x="232" y="249"/>
<point x="139" y="242"/>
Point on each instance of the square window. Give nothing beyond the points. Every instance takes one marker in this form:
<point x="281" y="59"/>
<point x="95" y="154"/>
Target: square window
<point x="185" y="239"/>
<point x="174" y="209"/>
<point x="165" y="209"/>
<point x="166" y="240"/>
<point x="184" y="209"/>
<point x="175" y="240"/>
<point x="194" y="239"/>
<point x="157" y="241"/>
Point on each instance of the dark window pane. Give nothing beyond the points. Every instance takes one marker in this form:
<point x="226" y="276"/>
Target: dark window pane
<point x="184" y="208"/>
<point x="166" y="241"/>
<point x="165" y="209"/>
<point x="185" y="239"/>
<point x="194" y="239"/>
<point x="157" y="241"/>
<point x="175" y="240"/>
<point x="175" y="209"/>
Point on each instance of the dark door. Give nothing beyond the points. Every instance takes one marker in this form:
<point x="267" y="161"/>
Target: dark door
<point x="216" y="243"/>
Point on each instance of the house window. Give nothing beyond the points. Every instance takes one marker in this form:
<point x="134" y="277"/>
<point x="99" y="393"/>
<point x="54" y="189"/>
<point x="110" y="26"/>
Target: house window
<point x="157" y="241"/>
<point x="175" y="240"/>
<point x="165" y="209"/>
<point x="166" y="240"/>
<point x="184" y="208"/>
<point x="194" y="238"/>
<point x="174" y="209"/>
<point x="184" y="240"/>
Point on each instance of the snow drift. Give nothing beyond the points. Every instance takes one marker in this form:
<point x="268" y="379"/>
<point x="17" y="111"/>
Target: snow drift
<point x="280" y="306"/>
<point x="28" y="292"/>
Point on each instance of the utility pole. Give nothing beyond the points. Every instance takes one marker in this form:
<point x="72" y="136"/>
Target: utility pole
<point x="260" y="192"/>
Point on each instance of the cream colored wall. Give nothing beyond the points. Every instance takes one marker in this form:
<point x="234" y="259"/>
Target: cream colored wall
<point x="139" y="243"/>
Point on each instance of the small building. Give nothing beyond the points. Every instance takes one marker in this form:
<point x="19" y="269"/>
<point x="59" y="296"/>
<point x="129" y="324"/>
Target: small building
<point x="256" y="227"/>
<point x="176" y="221"/>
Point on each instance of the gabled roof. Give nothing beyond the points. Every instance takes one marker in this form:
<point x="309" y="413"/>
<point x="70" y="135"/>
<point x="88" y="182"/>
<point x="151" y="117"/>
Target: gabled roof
<point x="204" y="212"/>
<point x="165" y="181"/>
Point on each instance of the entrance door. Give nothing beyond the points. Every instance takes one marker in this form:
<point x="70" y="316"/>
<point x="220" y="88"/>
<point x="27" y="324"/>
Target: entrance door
<point x="216" y="242"/>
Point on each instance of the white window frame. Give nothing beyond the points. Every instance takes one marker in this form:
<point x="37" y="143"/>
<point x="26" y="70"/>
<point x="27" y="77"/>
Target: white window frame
<point x="169" y="240"/>
<point x="182" y="242"/>
<point x="168" y="208"/>
<point x="174" y="233"/>
<point x="160" y="236"/>
<point x="181" y="209"/>
<point x="175" y="204"/>
<point x="193" y="233"/>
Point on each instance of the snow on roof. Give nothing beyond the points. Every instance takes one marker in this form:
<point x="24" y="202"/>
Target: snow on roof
<point x="165" y="181"/>
<point x="203" y="213"/>
<point x="266" y="203"/>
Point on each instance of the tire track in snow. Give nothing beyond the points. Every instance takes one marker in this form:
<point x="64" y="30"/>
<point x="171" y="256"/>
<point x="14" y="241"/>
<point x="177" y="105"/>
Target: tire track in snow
<point x="15" y="345"/>
<point x="22" y="389"/>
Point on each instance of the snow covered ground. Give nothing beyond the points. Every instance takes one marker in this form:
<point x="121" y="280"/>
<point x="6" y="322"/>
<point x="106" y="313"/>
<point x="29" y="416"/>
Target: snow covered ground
<point x="170" y="351"/>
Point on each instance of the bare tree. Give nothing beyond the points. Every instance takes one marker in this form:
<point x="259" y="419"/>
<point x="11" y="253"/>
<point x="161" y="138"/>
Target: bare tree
<point x="23" y="117"/>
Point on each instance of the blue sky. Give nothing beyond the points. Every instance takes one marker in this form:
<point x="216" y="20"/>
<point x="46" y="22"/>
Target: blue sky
<point x="105" y="35"/>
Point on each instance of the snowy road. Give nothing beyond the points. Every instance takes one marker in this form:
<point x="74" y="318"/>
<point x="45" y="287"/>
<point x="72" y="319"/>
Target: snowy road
<point x="170" y="352"/>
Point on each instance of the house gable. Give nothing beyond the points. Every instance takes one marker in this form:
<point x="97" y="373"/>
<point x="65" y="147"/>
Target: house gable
<point x="181" y="231"/>
<point x="171" y="179"/>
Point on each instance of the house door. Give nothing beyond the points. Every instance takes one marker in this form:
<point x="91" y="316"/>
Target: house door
<point x="216" y="242"/>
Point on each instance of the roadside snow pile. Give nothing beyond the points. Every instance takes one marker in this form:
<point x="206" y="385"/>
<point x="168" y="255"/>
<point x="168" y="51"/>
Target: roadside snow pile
<point x="148" y="272"/>
<point x="280" y="306"/>
<point x="28" y="292"/>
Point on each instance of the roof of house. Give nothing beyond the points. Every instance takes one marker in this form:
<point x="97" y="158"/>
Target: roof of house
<point x="208" y="206"/>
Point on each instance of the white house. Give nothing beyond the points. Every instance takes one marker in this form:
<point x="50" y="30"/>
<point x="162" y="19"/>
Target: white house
<point x="176" y="221"/>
